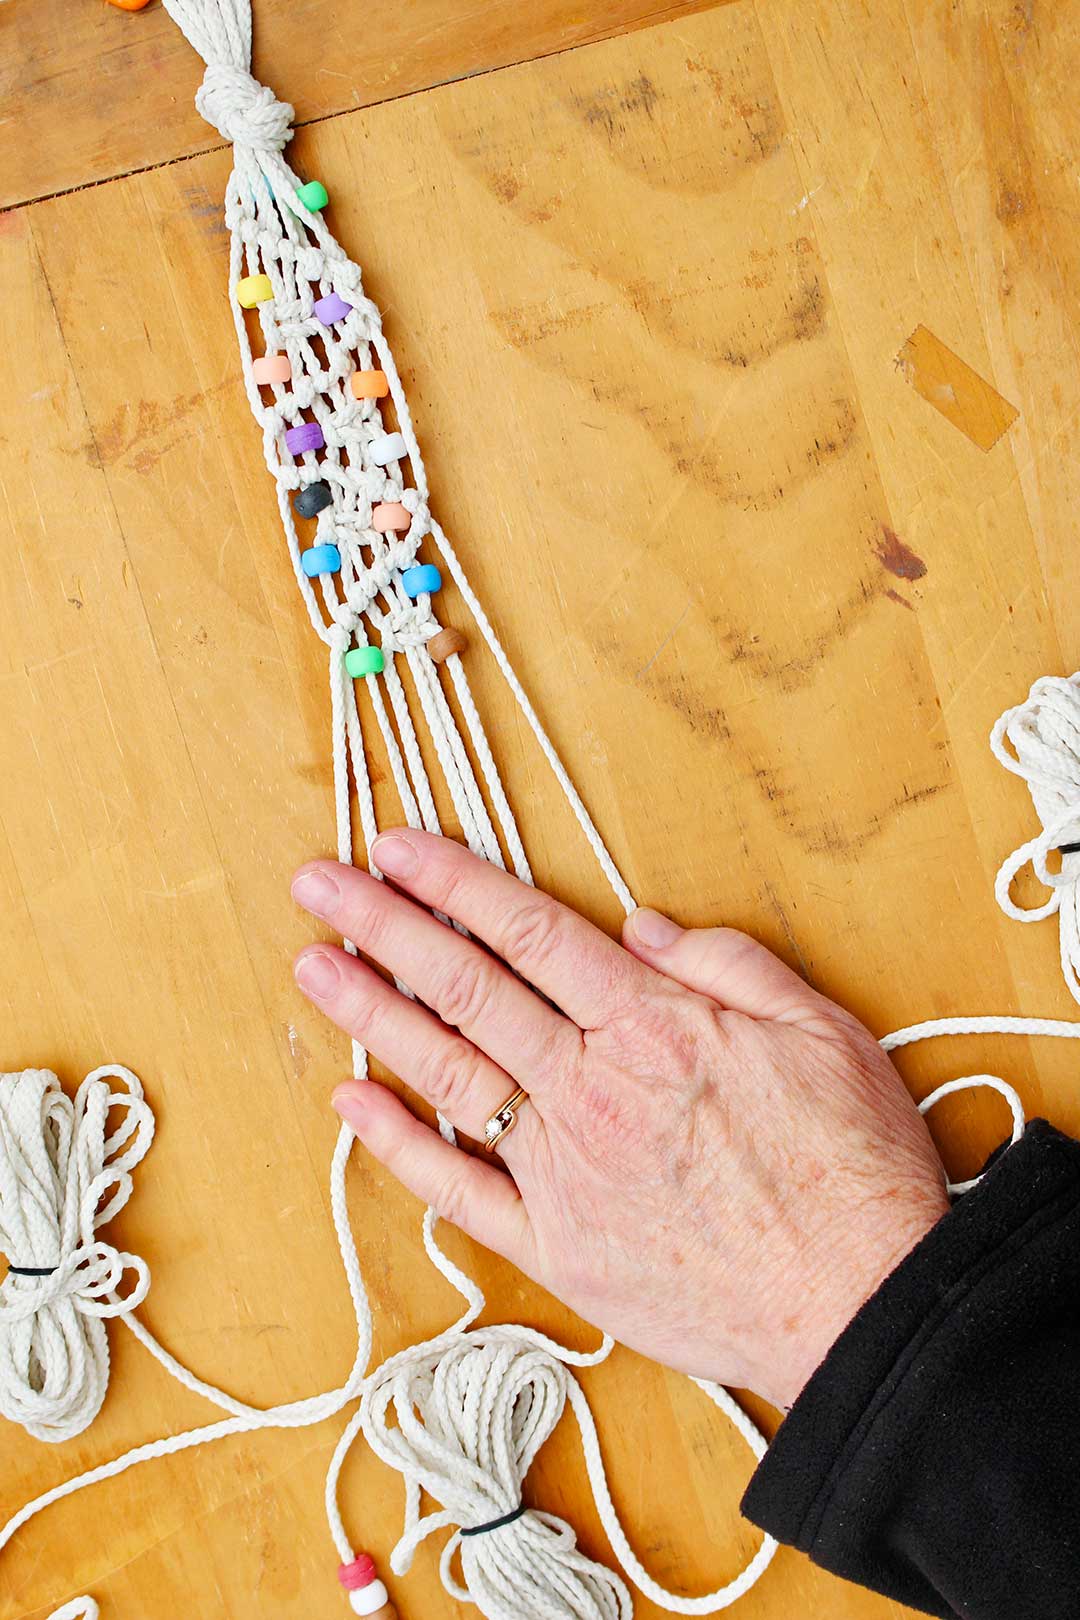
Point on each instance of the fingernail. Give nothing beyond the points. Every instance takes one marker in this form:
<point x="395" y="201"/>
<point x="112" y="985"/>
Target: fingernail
<point x="394" y="856"/>
<point x="317" y="892"/>
<point x="317" y="974"/>
<point x="348" y="1104"/>
<point x="652" y="928"/>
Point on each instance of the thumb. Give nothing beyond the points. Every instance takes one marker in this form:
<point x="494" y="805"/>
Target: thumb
<point x="732" y="968"/>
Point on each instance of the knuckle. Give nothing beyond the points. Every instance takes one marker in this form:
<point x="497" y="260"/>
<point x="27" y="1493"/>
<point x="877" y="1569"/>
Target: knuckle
<point x="531" y="934"/>
<point x="365" y="1010"/>
<point x="449" y="878"/>
<point x="447" y="1076"/>
<point x="452" y="1201"/>
<point x="464" y="990"/>
<point x="363" y="919"/>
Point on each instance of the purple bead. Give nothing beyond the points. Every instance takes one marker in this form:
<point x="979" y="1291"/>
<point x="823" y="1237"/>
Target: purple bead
<point x="331" y="308"/>
<point x="305" y="436"/>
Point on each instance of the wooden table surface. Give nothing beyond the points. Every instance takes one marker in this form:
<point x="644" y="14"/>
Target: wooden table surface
<point x="769" y="570"/>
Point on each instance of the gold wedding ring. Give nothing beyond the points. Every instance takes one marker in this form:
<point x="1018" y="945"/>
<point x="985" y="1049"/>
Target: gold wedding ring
<point x="502" y="1123"/>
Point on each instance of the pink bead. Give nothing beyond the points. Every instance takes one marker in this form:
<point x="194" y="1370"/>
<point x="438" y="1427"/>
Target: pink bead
<point x="358" y="1574"/>
<point x="272" y="368"/>
<point x="390" y="515"/>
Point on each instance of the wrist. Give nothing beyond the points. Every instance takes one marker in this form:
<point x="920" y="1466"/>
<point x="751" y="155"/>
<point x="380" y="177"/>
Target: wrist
<point x="851" y="1267"/>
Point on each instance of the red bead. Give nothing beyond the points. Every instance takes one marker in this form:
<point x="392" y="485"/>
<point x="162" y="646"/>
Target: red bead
<point x="360" y="1573"/>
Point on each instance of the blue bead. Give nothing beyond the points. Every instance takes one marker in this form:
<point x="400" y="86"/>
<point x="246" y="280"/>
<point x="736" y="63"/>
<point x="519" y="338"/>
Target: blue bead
<point x="424" y="577"/>
<point x="320" y="560"/>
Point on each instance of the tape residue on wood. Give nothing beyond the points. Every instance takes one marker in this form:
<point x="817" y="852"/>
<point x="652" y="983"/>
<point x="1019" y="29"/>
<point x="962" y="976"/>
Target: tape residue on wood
<point x="953" y="388"/>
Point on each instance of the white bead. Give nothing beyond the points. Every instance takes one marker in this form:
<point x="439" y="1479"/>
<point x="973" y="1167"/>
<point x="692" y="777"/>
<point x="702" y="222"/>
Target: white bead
<point x="366" y="1599"/>
<point x="390" y="447"/>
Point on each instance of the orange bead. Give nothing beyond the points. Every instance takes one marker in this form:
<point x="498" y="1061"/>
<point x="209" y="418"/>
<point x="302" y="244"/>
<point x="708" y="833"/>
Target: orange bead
<point x="369" y="385"/>
<point x="445" y="643"/>
<point x="129" y="5"/>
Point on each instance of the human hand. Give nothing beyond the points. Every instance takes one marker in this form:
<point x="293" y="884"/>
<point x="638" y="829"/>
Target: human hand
<point x="716" y="1165"/>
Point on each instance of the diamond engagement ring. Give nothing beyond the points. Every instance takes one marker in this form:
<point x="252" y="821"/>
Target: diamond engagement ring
<point x="503" y="1121"/>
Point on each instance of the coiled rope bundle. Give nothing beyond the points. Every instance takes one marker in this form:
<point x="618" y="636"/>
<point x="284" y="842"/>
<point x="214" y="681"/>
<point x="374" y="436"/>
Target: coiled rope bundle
<point x="1039" y="740"/>
<point x="64" y="1174"/>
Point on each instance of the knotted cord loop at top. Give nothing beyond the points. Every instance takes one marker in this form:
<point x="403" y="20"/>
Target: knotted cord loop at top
<point x="243" y="110"/>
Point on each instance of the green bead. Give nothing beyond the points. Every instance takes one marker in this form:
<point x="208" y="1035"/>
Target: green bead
<point x="313" y="196"/>
<point x="364" y="661"/>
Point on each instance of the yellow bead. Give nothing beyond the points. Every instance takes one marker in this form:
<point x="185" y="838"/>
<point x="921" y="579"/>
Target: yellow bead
<point x="254" y="290"/>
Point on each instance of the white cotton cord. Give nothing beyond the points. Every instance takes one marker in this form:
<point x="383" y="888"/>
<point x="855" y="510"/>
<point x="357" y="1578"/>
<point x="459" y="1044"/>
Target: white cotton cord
<point x="65" y="1171"/>
<point x="573" y="798"/>
<point x="974" y="1082"/>
<point x="1039" y="740"/>
<point x="80" y="1608"/>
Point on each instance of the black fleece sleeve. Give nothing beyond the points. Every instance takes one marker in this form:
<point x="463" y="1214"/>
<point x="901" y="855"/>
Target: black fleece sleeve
<point x="934" y="1455"/>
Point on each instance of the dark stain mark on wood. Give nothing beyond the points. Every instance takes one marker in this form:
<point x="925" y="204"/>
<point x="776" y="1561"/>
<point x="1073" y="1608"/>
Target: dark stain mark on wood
<point x="894" y="596"/>
<point x="505" y="185"/>
<point x="611" y="107"/>
<point x="1011" y="205"/>
<point x="898" y="558"/>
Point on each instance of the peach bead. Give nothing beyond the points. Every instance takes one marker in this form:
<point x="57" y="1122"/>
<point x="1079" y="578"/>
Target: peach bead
<point x="369" y="385"/>
<point x="445" y="643"/>
<point x="389" y="516"/>
<point x="271" y="368"/>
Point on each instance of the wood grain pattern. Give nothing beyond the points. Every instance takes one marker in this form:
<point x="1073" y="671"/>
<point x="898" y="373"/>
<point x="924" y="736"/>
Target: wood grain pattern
<point x="90" y="92"/>
<point x="767" y="602"/>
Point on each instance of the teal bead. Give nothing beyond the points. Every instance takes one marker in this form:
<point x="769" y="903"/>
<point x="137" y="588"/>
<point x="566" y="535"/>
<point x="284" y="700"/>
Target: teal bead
<point x="364" y="661"/>
<point x="424" y="577"/>
<point x="320" y="560"/>
<point x="313" y="195"/>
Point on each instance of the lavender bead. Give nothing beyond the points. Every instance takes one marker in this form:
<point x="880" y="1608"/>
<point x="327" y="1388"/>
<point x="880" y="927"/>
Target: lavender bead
<point x="304" y="436"/>
<point x="331" y="308"/>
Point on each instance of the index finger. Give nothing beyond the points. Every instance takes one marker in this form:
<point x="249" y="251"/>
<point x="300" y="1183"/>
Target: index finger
<point x="588" y="976"/>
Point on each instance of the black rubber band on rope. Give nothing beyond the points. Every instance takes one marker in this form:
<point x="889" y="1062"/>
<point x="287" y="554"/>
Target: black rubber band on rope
<point x="1069" y="849"/>
<point x="495" y="1524"/>
<point x="32" y="1271"/>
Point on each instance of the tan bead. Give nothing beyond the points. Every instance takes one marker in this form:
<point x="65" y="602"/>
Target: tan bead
<point x="387" y="1612"/>
<point x="446" y="643"/>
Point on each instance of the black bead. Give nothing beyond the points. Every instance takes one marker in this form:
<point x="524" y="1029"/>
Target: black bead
<point x="311" y="500"/>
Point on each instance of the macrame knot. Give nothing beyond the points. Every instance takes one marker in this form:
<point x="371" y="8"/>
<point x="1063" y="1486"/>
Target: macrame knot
<point x="413" y="502"/>
<point x="470" y="1416"/>
<point x="241" y="109"/>
<point x="407" y="627"/>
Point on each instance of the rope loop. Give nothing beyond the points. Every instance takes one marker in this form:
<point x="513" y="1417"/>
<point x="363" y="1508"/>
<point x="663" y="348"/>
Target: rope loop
<point x="242" y="110"/>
